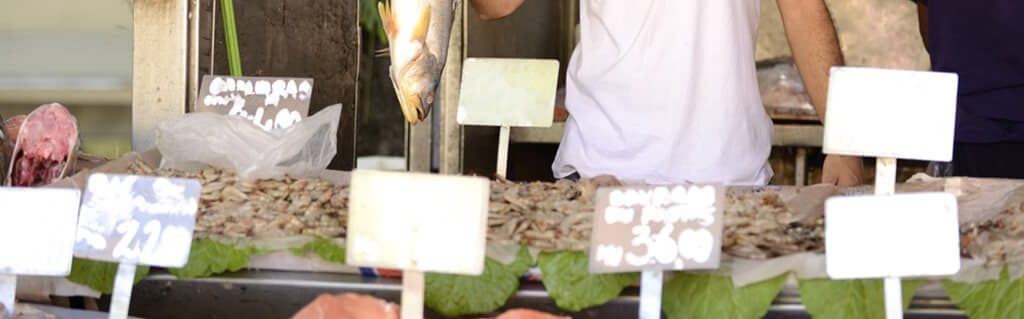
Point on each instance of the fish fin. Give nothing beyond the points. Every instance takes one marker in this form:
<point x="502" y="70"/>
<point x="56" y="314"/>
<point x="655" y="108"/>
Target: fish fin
<point x="386" y="18"/>
<point x="420" y="31"/>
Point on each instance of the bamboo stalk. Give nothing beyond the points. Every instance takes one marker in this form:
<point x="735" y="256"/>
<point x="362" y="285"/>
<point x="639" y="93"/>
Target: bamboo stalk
<point x="231" y="38"/>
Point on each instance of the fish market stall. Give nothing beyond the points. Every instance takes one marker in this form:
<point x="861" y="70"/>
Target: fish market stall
<point x="271" y="228"/>
<point x="266" y="239"/>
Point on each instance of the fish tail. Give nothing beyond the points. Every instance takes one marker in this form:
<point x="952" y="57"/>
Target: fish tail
<point x="386" y="18"/>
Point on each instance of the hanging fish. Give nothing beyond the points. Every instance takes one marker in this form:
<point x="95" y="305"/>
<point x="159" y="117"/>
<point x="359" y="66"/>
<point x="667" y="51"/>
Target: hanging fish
<point x="418" y="32"/>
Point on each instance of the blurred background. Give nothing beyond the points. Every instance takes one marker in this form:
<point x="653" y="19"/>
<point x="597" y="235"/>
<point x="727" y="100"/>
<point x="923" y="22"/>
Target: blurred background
<point x="77" y="53"/>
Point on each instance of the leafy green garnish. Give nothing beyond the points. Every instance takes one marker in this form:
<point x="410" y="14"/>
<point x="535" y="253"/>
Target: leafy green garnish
<point x="850" y="299"/>
<point x="569" y="282"/>
<point x="696" y="295"/>
<point x="99" y="275"/>
<point x="209" y="257"/>
<point x="323" y="248"/>
<point x="1000" y="298"/>
<point x="455" y="295"/>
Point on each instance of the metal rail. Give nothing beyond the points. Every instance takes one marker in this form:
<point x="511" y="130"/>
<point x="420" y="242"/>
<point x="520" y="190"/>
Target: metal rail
<point x="272" y="294"/>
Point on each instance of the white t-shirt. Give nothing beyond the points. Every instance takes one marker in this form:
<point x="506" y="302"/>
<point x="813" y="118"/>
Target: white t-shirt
<point x="665" y="92"/>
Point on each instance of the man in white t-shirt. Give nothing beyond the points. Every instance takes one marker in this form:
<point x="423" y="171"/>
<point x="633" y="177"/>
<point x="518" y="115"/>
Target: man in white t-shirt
<point x="665" y="91"/>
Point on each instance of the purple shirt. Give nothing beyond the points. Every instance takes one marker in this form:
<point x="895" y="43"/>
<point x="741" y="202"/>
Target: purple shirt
<point x="983" y="42"/>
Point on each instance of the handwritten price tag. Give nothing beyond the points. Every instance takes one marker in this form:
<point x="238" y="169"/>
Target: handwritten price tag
<point x="657" y="228"/>
<point x="270" y="103"/>
<point x="137" y="219"/>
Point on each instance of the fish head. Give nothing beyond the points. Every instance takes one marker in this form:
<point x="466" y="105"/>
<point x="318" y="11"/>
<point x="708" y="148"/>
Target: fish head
<point x="415" y="85"/>
<point x="413" y="67"/>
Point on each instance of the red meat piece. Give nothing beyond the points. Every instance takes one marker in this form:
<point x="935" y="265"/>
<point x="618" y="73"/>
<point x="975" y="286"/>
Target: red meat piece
<point x="45" y="140"/>
<point x="348" y="306"/>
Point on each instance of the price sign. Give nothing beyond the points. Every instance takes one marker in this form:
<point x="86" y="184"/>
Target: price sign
<point x="136" y="220"/>
<point x="868" y="112"/>
<point x="657" y="228"/>
<point x="37" y="227"/>
<point x="891" y="113"/>
<point x="507" y="93"/>
<point x="270" y="103"/>
<point x="892" y="236"/>
<point x="417" y="223"/>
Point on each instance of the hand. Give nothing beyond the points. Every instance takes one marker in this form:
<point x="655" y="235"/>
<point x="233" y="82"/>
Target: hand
<point x="842" y="170"/>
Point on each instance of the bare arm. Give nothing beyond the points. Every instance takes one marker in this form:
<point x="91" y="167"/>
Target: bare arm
<point x="495" y="9"/>
<point x="812" y="36"/>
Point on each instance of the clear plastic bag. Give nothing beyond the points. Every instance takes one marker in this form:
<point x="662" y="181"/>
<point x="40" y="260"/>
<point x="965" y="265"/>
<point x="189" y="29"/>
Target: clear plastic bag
<point x="200" y="139"/>
<point x="781" y="86"/>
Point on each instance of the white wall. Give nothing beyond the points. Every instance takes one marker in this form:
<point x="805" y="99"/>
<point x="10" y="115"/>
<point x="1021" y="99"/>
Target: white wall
<point x="71" y="49"/>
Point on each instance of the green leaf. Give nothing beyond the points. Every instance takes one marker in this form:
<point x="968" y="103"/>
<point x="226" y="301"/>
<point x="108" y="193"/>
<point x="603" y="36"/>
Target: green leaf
<point x="209" y="257"/>
<point x="850" y="299"/>
<point x="455" y="295"/>
<point x="569" y="282"/>
<point x="323" y="248"/>
<point x="1001" y="298"/>
<point x="698" y="295"/>
<point x="99" y="275"/>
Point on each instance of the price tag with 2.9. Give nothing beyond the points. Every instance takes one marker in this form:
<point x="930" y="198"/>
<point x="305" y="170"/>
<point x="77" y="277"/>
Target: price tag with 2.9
<point x="137" y="219"/>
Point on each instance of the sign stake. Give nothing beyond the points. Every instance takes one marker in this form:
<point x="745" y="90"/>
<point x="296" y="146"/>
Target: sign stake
<point x="503" y="141"/>
<point x="507" y="93"/>
<point x="122" y="296"/>
<point x="893" y="298"/>
<point x="885" y="184"/>
<point x="651" y="282"/>
<point x="412" y="294"/>
<point x="8" y="288"/>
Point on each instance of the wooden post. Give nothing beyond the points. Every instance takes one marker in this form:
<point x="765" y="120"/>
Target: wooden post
<point x="159" y="58"/>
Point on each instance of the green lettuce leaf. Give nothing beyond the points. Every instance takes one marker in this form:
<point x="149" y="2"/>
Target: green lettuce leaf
<point x="99" y="275"/>
<point x="323" y="248"/>
<point x="569" y="282"/>
<point x="850" y="299"/>
<point x="699" y="295"/>
<point x="209" y="257"/>
<point x="455" y="295"/>
<point x="1000" y="298"/>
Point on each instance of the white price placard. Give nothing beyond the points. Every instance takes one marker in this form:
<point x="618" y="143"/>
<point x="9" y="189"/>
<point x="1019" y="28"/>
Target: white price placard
<point x="891" y="113"/>
<point x="37" y="230"/>
<point x="138" y="219"/>
<point x="420" y="222"/>
<point x="508" y="92"/>
<point x="890" y="236"/>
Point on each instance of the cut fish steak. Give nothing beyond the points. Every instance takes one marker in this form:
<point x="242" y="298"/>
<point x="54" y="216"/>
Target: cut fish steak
<point x="45" y="147"/>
